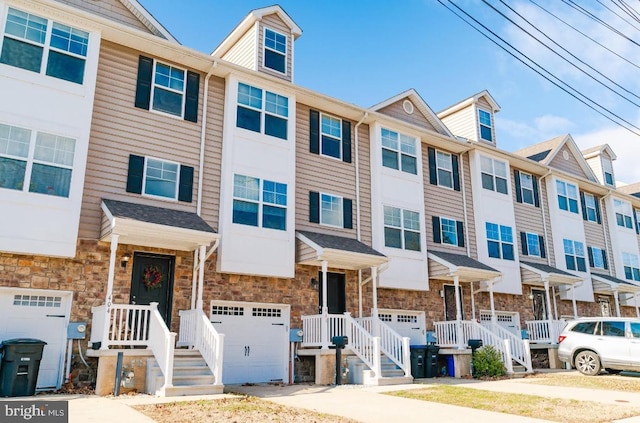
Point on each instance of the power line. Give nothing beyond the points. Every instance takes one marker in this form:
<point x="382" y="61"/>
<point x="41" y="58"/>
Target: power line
<point x="597" y="19"/>
<point x="621" y="17"/>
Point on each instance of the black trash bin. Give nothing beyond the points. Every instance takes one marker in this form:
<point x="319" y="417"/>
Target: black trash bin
<point x="431" y="361"/>
<point x="20" y="365"/>
<point x="418" y="358"/>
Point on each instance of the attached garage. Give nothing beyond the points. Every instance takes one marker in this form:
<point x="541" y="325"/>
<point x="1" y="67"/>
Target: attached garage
<point x="40" y="314"/>
<point x="256" y="340"/>
<point x="407" y="323"/>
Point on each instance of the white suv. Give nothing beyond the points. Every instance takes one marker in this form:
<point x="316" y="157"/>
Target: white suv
<point x="596" y="343"/>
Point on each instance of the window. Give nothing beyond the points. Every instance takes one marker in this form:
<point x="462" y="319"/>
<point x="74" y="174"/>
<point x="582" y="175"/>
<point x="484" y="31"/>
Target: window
<point x="607" y="170"/>
<point x="255" y="205"/>
<point x="160" y="178"/>
<point x="168" y="89"/>
<point x="532" y="244"/>
<point x="494" y="174"/>
<point x="637" y="219"/>
<point x="623" y="213"/>
<point x="613" y="328"/>
<point x="399" y="151"/>
<point x="448" y="231"/>
<point x="608" y="178"/>
<point x="567" y="196"/>
<point x="635" y="329"/>
<point x="631" y="267"/>
<point x="35" y="161"/>
<point x="262" y="111"/>
<point x="443" y="169"/>
<point x="597" y="258"/>
<point x="584" y="327"/>
<point x="499" y="241"/>
<point x="275" y="50"/>
<point x="401" y="228"/>
<point x="486" y="132"/>
<point x="35" y="44"/>
<point x="574" y="255"/>
<point x="331" y="134"/>
<point x="526" y="188"/>
<point x="331" y="210"/>
<point x="591" y="211"/>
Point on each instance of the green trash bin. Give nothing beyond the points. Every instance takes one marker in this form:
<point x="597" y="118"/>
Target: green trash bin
<point x="418" y="354"/>
<point x="20" y="365"/>
<point x="431" y="361"/>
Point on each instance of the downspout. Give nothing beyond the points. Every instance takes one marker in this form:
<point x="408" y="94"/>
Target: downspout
<point x="544" y="215"/>
<point x="603" y="212"/>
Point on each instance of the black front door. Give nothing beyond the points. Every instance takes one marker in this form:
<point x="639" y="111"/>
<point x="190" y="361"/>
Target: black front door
<point x="539" y="304"/>
<point x="336" y="296"/>
<point x="450" y="302"/>
<point x="152" y="281"/>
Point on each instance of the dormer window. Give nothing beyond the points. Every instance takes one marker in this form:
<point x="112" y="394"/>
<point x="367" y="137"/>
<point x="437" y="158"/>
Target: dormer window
<point x="607" y="170"/>
<point x="275" y="51"/>
<point x="486" y="127"/>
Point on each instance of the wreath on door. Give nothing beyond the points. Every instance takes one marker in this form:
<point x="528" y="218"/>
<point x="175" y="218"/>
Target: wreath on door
<point x="152" y="277"/>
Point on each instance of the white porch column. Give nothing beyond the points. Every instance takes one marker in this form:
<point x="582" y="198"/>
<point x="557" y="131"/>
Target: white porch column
<point x="573" y="300"/>
<point x="108" y="299"/>
<point x="374" y="310"/>
<point x="551" y="327"/>
<point x="324" y="329"/>
<point x="473" y="302"/>
<point x="617" y="301"/>
<point x="493" y="304"/>
<point x="555" y="302"/>
<point x="635" y="298"/>
<point x="201" y="260"/>
<point x="459" y="334"/>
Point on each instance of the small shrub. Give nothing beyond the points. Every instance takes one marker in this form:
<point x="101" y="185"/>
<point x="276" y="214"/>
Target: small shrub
<point x="487" y="362"/>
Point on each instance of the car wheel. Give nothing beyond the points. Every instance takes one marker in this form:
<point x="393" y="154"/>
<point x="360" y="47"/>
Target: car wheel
<point x="588" y="363"/>
<point x="613" y="371"/>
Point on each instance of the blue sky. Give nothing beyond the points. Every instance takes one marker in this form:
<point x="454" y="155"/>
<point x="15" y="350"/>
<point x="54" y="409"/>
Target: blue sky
<point x="364" y="52"/>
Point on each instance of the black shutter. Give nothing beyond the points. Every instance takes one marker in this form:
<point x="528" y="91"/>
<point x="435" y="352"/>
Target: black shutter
<point x="523" y="241"/>
<point x="536" y="196"/>
<point x="605" y="262"/>
<point x="543" y="252"/>
<point x="185" y="191"/>
<point x="143" y="87"/>
<point x="134" y="176"/>
<point x="192" y="95"/>
<point x="433" y="173"/>
<point x="347" y="207"/>
<point x="314" y="207"/>
<point x="456" y="172"/>
<point x="516" y="179"/>
<point x="436" y="229"/>
<point x="598" y="218"/>
<point x="590" y="254"/>
<point x="346" y="141"/>
<point x="460" y="230"/>
<point x="584" y="207"/>
<point x="635" y="220"/>
<point x="314" y="131"/>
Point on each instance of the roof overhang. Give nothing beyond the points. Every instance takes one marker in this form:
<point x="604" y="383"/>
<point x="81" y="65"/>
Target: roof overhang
<point x="339" y="259"/>
<point x="146" y="234"/>
<point x="610" y="285"/>
<point x="464" y="273"/>
<point x="554" y="278"/>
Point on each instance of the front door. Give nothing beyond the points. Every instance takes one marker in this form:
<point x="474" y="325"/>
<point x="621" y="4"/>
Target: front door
<point x="539" y="304"/>
<point x="450" y="302"/>
<point x="336" y="296"/>
<point x="152" y="281"/>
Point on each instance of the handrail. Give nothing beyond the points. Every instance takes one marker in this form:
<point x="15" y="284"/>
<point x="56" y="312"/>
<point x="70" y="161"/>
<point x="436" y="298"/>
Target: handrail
<point x="161" y="343"/>
<point x="474" y="330"/>
<point x="365" y="346"/>
<point x="127" y="325"/>
<point x="520" y="351"/>
<point x="540" y="330"/>
<point x="197" y="331"/>
<point x="392" y="344"/>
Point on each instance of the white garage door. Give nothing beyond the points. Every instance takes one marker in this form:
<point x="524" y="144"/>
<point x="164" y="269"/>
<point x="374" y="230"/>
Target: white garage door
<point x="42" y="315"/>
<point x="410" y="324"/>
<point x="256" y="341"/>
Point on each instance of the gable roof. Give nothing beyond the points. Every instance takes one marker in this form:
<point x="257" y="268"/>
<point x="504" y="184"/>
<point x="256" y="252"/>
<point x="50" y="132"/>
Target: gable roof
<point x="471" y="100"/>
<point x="340" y="252"/>
<point x="148" y="20"/>
<point x="546" y="151"/>
<point x="554" y="275"/>
<point x="253" y="16"/>
<point x="598" y="150"/>
<point x="422" y="106"/>
<point x="631" y="189"/>
<point x="462" y="266"/>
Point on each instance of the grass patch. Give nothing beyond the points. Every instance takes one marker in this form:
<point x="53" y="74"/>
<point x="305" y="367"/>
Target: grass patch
<point x="233" y="410"/>
<point x="554" y="409"/>
<point x="607" y="382"/>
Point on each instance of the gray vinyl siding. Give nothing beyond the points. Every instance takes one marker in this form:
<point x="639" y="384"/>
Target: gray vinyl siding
<point x="274" y="22"/>
<point x="110" y="9"/>
<point x="462" y="123"/>
<point x="120" y="129"/>
<point x="416" y="118"/>
<point x="570" y="165"/>
<point x="243" y="53"/>
<point x="528" y="219"/>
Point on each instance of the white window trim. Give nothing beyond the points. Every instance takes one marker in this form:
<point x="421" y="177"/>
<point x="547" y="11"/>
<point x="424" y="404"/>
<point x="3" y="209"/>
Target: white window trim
<point x="537" y="237"/>
<point x="455" y="231"/>
<point x="587" y="207"/>
<point x="626" y="262"/>
<point x="494" y="176"/>
<point x="400" y="153"/>
<point x="480" y="125"/>
<point x="260" y="202"/>
<point x="154" y="86"/>
<point x="403" y="229"/>
<point x="144" y="179"/>
<point x="331" y="136"/>
<point x="568" y="197"/>
<point x="500" y="241"/>
<point x="262" y="110"/>
<point x="600" y="252"/>
<point x="264" y="48"/>
<point x="341" y="226"/>
<point x="623" y="209"/>
<point x="575" y="254"/>
<point x="446" y="170"/>
<point x="523" y="188"/>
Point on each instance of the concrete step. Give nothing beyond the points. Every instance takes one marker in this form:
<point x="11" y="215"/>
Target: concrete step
<point x="191" y="376"/>
<point x="177" y="391"/>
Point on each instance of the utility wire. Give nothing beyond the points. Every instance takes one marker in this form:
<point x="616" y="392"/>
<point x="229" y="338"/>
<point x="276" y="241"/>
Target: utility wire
<point x="621" y="17"/>
<point x="585" y="35"/>
<point x="627" y="9"/>
<point x="539" y="72"/>
<point x="598" y="20"/>
<point x="566" y="51"/>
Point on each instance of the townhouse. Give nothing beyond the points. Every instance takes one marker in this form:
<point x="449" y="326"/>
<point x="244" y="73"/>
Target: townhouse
<point x="198" y="210"/>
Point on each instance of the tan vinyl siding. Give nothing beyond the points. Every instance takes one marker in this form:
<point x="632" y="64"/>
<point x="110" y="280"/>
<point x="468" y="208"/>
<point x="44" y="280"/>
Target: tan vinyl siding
<point x="416" y="118"/>
<point x="110" y="9"/>
<point x="331" y="176"/>
<point x="364" y="154"/>
<point x="529" y="278"/>
<point x="570" y="165"/>
<point x="548" y="237"/>
<point x="466" y="188"/>
<point x="528" y="219"/>
<point x="596" y="166"/>
<point x="274" y="22"/>
<point x="304" y="252"/>
<point x="243" y="53"/>
<point x="484" y="103"/>
<point x="120" y="129"/>
<point x="105" y="226"/>
<point x="462" y="123"/>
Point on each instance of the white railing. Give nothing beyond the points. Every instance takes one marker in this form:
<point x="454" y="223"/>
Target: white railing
<point x="312" y="330"/>
<point x="447" y="334"/>
<point x="520" y="350"/>
<point x="162" y="344"/>
<point x="127" y="325"/>
<point x="541" y="332"/>
<point x="365" y="346"/>
<point x="392" y="344"/>
<point x="197" y="331"/>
